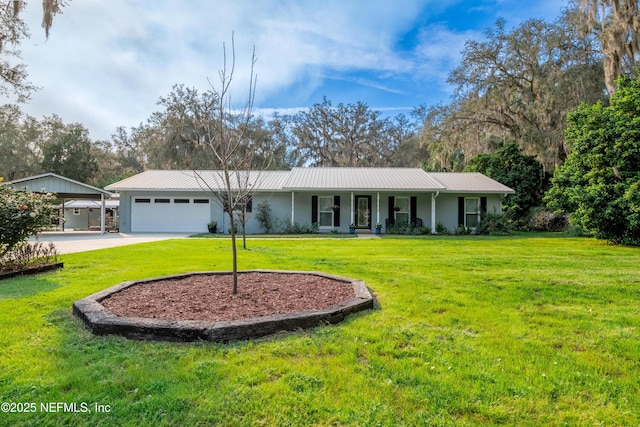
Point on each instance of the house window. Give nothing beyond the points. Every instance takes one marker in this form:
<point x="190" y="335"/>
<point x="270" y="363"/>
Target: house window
<point x="240" y="203"/>
<point x="180" y="200"/>
<point x="471" y="212"/>
<point x="325" y="211"/>
<point x="401" y="209"/>
<point x="143" y="200"/>
<point x="161" y="200"/>
<point x="76" y="211"/>
<point x="245" y="202"/>
<point x="201" y="201"/>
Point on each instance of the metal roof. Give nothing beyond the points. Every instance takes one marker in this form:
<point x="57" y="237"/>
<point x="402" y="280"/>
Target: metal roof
<point x="306" y="179"/>
<point x="189" y="180"/>
<point x="470" y="182"/>
<point x="397" y="179"/>
<point x="62" y="186"/>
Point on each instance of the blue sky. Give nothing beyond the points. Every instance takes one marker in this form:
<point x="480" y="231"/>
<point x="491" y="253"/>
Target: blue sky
<point x="107" y="62"/>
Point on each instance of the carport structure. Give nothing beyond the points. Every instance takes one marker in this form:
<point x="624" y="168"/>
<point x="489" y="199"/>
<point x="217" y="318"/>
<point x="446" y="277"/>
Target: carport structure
<point x="64" y="189"/>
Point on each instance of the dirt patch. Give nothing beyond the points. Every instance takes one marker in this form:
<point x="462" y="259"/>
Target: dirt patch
<point x="209" y="297"/>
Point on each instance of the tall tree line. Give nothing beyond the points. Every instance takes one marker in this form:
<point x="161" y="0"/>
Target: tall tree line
<point x="29" y="146"/>
<point x="516" y="85"/>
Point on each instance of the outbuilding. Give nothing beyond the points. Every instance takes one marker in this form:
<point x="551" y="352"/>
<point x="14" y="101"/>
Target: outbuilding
<point x="65" y="189"/>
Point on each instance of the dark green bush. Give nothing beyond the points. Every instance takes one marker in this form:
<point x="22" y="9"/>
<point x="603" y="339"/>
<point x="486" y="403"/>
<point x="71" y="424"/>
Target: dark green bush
<point x="406" y="228"/>
<point x="542" y="219"/>
<point x="494" y="223"/>
<point x="286" y="227"/>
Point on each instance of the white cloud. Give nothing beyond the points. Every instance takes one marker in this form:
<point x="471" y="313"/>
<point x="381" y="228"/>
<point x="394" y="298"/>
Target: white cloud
<point x="107" y="62"/>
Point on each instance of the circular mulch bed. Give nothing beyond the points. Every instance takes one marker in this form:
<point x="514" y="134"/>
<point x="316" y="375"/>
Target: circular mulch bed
<point x="209" y="297"/>
<point x="201" y="306"/>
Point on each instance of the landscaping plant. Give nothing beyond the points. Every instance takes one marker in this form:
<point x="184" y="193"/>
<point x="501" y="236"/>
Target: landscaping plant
<point x="599" y="183"/>
<point x="22" y="215"/>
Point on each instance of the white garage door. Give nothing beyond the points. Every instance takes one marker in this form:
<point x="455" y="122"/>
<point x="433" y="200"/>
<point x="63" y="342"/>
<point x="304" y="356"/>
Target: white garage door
<point x="169" y="214"/>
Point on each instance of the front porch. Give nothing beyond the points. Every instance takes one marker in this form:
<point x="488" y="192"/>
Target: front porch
<point x="364" y="211"/>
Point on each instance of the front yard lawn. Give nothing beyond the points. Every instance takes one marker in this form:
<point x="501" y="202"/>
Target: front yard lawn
<point x="521" y="330"/>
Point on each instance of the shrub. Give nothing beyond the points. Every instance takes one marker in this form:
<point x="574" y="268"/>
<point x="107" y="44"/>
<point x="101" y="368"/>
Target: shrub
<point x="542" y="219"/>
<point x="441" y="229"/>
<point x="495" y="223"/>
<point x="463" y="230"/>
<point x="400" y="227"/>
<point x="406" y="228"/>
<point x="285" y="226"/>
<point x="25" y="255"/>
<point x="514" y="169"/>
<point x="599" y="183"/>
<point x="263" y="216"/>
<point x="22" y="214"/>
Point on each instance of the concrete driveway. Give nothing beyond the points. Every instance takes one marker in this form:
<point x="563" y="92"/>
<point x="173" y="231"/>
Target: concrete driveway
<point x="81" y="241"/>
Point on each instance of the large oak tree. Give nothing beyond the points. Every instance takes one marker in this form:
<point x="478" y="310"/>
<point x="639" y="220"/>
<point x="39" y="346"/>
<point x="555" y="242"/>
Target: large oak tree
<point x="515" y="85"/>
<point x="617" y="25"/>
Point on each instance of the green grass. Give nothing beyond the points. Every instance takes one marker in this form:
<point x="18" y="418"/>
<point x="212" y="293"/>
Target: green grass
<point x="522" y="330"/>
<point x="276" y="236"/>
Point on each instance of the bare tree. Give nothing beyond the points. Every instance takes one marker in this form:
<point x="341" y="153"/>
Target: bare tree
<point x="222" y="130"/>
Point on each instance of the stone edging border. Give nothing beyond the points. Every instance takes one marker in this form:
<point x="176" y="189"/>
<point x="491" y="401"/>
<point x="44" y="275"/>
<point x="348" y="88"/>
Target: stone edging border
<point x="31" y="271"/>
<point x="102" y="322"/>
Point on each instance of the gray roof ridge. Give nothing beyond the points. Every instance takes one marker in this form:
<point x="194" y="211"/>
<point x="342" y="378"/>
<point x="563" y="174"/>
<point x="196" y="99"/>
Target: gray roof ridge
<point x="64" y="178"/>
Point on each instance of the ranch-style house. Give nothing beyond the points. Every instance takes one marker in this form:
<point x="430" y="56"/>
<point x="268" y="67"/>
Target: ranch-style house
<point x="332" y="197"/>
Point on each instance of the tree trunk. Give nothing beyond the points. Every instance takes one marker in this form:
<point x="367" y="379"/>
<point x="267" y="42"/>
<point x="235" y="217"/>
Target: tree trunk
<point x="244" y="227"/>
<point x="234" y="253"/>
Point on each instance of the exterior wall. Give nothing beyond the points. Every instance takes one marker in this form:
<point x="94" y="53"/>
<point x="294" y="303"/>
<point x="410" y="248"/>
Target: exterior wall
<point x="447" y="211"/>
<point x="494" y="203"/>
<point x="280" y="203"/>
<point x="81" y="221"/>
<point x="447" y="208"/>
<point x="125" y="212"/>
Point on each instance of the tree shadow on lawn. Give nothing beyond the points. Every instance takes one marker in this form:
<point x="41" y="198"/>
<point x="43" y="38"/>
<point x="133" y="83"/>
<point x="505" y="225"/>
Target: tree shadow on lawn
<point x="26" y="286"/>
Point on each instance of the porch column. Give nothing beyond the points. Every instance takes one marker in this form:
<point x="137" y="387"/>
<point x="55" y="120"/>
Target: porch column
<point x="62" y="217"/>
<point x="378" y="208"/>
<point x="353" y="219"/>
<point x="293" y="208"/>
<point x="102" y="212"/>
<point x="433" y="211"/>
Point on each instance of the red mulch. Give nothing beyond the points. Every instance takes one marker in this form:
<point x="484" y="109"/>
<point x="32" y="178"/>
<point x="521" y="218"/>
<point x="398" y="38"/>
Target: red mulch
<point x="209" y="297"/>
